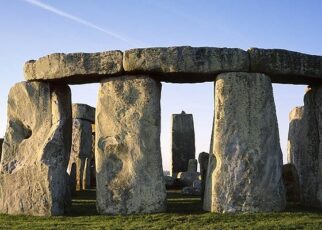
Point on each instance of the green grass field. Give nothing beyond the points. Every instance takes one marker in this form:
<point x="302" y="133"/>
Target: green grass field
<point x="184" y="212"/>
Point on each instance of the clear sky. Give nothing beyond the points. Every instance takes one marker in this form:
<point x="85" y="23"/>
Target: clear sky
<point x="30" y="29"/>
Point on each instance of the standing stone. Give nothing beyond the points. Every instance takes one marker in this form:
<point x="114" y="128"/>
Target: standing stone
<point x="203" y="159"/>
<point x="72" y="179"/>
<point x="128" y="156"/>
<point x="291" y="182"/>
<point x="192" y="165"/>
<point x="81" y="152"/>
<point x="183" y="142"/>
<point x="36" y="150"/>
<point x="295" y="144"/>
<point x="305" y="147"/>
<point x="248" y="175"/>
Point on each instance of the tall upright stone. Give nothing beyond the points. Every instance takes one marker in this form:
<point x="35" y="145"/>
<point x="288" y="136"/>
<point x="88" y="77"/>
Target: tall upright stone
<point x="203" y="159"/>
<point x="128" y="156"/>
<point x="81" y="151"/>
<point x="305" y="147"/>
<point x="1" y="142"/>
<point x="183" y="142"/>
<point x="248" y="174"/>
<point x="33" y="179"/>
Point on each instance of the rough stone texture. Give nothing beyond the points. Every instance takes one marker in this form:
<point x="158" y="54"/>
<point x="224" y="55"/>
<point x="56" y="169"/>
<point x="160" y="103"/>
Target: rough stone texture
<point x="36" y="150"/>
<point x="87" y="174"/>
<point x="1" y="141"/>
<point x="185" y="64"/>
<point x="203" y="159"/>
<point x="84" y="112"/>
<point x="192" y="165"/>
<point x="248" y="175"/>
<point x="285" y="66"/>
<point x="169" y="181"/>
<point x="189" y="190"/>
<point x="295" y="144"/>
<point x="72" y="179"/>
<point x="183" y="142"/>
<point x="291" y="182"/>
<point x="305" y="147"/>
<point x="128" y="156"/>
<point x="81" y="149"/>
<point x="187" y="178"/>
<point x="75" y="67"/>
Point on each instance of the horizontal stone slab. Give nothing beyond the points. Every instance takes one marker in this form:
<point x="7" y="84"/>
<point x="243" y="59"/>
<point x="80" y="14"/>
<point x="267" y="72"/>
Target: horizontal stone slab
<point x="185" y="64"/>
<point x="75" y="68"/>
<point x="84" y="112"/>
<point x="285" y="66"/>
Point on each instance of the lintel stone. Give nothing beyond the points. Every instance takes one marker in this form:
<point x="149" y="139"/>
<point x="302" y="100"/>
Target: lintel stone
<point x="84" y="112"/>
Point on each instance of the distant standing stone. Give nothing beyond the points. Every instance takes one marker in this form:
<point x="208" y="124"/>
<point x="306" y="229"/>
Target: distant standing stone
<point x="203" y="159"/>
<point x="248" y="175"/>
<point x="128" y="155"/>
<point x="183" y="142"/>
<point x="192" y="165"/>
<point x="33" y="178"/>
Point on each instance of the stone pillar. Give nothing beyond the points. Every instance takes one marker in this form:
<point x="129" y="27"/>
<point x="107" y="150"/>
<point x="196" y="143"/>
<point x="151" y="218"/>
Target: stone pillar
<point x="305" y="147"/>
<point x="192" y="165"/>
<point x="128" y="156"/>
<point x="203" y="159"/>
<point x="33" y="179"/>
<point x="83" y="117"/>
<point x="183" y="142"/>
<point x="248" y="175"/>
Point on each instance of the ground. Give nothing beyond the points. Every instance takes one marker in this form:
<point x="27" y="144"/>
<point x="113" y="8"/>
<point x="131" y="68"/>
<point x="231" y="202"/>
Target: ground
<point x="184" y="212"/>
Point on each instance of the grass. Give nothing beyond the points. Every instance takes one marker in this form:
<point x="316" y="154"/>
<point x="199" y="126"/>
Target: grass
<point x="184" y="212"/>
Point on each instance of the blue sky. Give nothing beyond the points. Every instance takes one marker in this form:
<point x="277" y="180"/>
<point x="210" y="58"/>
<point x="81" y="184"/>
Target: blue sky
<point x="31" y="29"/>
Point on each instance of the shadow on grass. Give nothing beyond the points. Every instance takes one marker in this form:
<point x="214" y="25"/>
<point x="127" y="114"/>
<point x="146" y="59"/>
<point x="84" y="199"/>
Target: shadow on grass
<point x="84" y="204"/>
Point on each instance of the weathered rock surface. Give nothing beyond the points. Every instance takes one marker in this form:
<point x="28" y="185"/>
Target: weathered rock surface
<point x="84" y="112"/>
<point x="74" y="68"/>
<point x="128" y="156"/>
<point x="36" y="148"/>
<point x="81" y="149"/>
<point x="185" y="63"/>
<point x="187" y="178"/>
<point x="183" y="142"/>
<point x="203" y="159"/>
<point x="305" y="149"/>
<point x="291" y="182"/>
<point x="192" y="165"/>
<point x="169" y="181"/>
<point x="285" y="66"/>
<point x="248" y="175"/>
<point x="189" y="190"/>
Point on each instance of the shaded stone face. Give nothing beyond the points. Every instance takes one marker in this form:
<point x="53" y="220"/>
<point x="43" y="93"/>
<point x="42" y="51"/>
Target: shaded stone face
<point x="291" y="182"/>
<point x="183" y="142"/>
<point x="304" y="147"/>
<point x="128" y="156"/>
<point x="33" y="179"/>
<point x="248" y="174"/>
<point x="1" y="141"/>
<point x="192" y="165"/>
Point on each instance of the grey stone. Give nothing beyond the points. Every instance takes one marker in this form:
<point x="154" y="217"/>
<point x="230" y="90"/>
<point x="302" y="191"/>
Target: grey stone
<point x="291" y="182"/>
<point x="185" y="64"/>
<point x="192" y="165"/>
<point x="72" y="179"/>
<point x="74" y="68"/>
<point x="187" y="178"/>
<point x="183" y="142"/>
<point x="84" y="112"/>
<point x="128" y="156"/>
<point x="87" y="174"/>
<point x="305" y="147"/>
<point x="197" y="184"/>
<point x="169" y="181"/>
<point x="285" y="66"/>
<point x="203" y="159"/>
<point x="190" y="191"/>
<point x="36" y="149"/>
<point x="81" y="149"/>
<point x="248" y="175"/>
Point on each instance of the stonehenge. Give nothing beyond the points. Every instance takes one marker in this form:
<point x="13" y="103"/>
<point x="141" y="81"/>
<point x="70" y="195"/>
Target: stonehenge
<point x="182" y="142"/>
<point x="47" y="136"/>
<point x="1" y="141"/>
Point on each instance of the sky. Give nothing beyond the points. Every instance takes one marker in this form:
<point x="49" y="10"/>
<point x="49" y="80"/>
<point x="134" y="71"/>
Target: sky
<point x="30" y="29"/>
